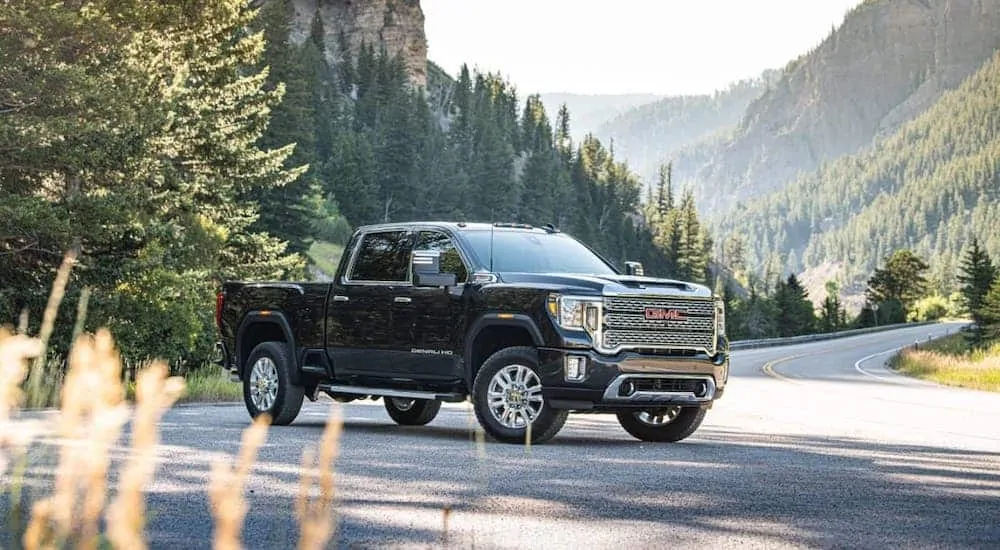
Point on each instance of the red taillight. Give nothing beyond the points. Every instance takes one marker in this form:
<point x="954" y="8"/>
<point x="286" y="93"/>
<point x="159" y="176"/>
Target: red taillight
<point x="219" y="299"/>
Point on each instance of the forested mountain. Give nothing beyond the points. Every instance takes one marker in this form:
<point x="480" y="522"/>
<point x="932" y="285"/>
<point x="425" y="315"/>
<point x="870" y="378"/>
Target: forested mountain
<point x="889" y="61"/>
<point x="378" y="150"/>
<point x="930" y="186"/>
<point x="646" y="136"/>
<point x="590" y="111"/>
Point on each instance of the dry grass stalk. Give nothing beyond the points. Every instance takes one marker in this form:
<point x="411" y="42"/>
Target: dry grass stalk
<point x="316" y="521"/>
<point x="49" y="322"/>
<point x="445" y="515"/>
<point x="15" y="351"/>
<point x="155" y="393"/>
<point x="226" y="487"/>
<point x="92" y="414"/>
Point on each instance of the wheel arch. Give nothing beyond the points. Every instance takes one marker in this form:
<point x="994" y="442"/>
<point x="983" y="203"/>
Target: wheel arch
<point x="265" y="326"/>
<point x="493" y="332"/>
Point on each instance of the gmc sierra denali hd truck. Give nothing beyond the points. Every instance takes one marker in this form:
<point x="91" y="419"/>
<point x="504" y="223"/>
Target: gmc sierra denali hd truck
<point x="528" y="323"/>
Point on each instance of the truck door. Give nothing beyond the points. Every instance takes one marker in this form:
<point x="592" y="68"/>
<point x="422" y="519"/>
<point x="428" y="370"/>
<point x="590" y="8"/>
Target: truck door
<point x="362" y="337"/>
<point x="433" y="315"/>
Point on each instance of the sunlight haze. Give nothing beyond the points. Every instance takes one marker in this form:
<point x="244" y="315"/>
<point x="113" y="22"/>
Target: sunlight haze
<point x="631" y="46"/>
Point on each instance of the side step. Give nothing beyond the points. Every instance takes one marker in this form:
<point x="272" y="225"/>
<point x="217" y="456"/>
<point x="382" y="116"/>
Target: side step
<point x="386" y="392"/>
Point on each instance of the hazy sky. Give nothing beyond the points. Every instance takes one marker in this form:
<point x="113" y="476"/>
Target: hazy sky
<point x="624" y="46"/>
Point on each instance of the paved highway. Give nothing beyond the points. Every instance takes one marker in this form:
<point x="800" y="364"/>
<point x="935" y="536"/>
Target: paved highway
<point x="813" y="445"/>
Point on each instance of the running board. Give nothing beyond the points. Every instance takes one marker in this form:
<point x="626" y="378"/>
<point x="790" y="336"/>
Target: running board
<point x="386" y="392"/>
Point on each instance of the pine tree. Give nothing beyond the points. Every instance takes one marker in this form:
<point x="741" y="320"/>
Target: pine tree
<point x="664" y="190"/>
<point x="832" y="313"/>
<point x="794" y="310"/>
<point x="977" y="276"/>
<point x="901" y="281"/>
<point x="692" y="256"/>
<point x="284" y="211"/>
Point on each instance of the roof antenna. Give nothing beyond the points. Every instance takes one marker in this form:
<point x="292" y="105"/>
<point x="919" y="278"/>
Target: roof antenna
<point x="492" y="229"/>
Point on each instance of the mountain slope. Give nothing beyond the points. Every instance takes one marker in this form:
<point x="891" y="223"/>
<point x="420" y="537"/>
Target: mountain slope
<point x="590" y="111"/>
<point x="889" y="61"/>
<point x="929" y="186"/>
<point x="645" y="136"/>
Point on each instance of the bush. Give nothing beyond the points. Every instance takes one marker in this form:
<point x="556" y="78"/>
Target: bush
<point x="931" y="308"/>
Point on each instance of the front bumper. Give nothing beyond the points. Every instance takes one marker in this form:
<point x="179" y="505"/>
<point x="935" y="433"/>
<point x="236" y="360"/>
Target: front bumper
<point x="631" y="380"/>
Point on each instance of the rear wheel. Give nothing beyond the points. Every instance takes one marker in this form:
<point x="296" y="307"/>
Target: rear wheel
<point x="267" y="384"/>
<point x="668" y="424"/>
<point x="411" y="412"/>
<point x="508" y="400"/>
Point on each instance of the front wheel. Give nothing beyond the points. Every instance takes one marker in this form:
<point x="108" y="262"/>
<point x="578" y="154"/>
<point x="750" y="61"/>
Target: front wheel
<point x="411" y="412"/>
<point x="508" y="400"/>
<point x="669" y="424"/>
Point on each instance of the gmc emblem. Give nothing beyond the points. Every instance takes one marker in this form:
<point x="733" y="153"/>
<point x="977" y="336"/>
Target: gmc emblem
<point x="664" y="314"/>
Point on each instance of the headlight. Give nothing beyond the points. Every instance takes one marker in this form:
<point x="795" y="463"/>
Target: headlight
<point x="575" y="313"/>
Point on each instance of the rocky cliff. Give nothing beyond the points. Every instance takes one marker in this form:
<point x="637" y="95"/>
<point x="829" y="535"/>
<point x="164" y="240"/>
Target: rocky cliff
<point x="398" y="25"/>
<point x="889" y="61"/>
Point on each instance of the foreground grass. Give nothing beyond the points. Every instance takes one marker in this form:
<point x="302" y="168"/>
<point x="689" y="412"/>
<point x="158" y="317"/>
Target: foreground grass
<point x="950" y="361"/>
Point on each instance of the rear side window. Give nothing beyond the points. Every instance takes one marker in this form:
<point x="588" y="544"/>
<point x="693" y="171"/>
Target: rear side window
<point x="383" y="257"/>
<point x="451" y="260"/>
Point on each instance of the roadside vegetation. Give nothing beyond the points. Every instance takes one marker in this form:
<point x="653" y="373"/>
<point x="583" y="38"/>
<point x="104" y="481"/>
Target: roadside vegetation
<point x="950" y="361"/>
<point x="969" y="359"/>
<point x="210" y="383"/>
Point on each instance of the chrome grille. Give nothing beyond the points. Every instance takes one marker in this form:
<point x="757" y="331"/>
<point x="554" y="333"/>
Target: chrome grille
<point x="626" y="325"/>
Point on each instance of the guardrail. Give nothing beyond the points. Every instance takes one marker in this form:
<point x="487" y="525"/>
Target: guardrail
<point x="770" y="342"/>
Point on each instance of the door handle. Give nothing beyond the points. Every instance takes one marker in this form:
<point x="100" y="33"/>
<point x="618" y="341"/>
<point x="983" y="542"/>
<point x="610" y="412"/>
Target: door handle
<point x="339" y="298"/>
<point x="402" y="300"/>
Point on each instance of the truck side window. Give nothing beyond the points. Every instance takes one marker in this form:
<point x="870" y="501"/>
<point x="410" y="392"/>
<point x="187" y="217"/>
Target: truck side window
<point x="383" y="257"/>
<point x="451" y="260"/>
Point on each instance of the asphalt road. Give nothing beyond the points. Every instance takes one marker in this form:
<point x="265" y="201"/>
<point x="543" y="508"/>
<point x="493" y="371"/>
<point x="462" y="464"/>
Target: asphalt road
<point x="814" y="445"/>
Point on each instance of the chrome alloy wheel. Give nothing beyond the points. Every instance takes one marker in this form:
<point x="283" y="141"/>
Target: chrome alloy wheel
<point x="514" y="396"/>
<point x="659" y="417"/>
<point x="264" y="384"/>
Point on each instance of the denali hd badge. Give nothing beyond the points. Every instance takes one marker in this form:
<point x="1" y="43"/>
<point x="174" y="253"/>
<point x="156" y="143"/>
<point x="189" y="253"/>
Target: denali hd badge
<point x="664" y="314"/>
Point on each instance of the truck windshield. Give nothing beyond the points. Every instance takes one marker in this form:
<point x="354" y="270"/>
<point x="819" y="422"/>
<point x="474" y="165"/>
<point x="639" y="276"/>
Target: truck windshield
<point x="525" y="252"/>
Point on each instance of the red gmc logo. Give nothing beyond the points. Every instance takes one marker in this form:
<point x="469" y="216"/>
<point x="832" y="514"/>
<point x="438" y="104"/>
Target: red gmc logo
<point x="664" y="314"/>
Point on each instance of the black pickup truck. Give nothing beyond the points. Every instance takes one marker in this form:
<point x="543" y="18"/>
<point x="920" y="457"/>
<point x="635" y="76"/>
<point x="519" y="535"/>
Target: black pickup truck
<point x="529" y="323"/>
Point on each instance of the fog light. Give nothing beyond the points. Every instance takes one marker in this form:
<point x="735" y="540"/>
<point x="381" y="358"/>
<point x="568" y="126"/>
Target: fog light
<point x="576" y="368"/>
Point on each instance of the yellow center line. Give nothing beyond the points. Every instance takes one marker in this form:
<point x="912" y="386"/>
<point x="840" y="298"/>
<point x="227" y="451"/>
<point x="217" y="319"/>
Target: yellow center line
<point x="768" y="367"/>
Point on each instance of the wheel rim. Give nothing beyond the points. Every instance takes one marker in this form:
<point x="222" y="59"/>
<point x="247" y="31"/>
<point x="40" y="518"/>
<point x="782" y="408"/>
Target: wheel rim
<point x="264" y="384"/>
<point x="402" y="404"/>
<point x="515" y="396"/>
<point x="658" y="417"/>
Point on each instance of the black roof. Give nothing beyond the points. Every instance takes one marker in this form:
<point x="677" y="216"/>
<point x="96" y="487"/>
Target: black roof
<point x="460" y="226"/>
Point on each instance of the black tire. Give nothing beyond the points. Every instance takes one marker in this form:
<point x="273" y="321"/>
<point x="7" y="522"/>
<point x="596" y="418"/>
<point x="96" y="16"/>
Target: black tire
<point x="547" y="423"/>
<point x="683" y="425"/>
<point x="288" y="397"/>
<point x="417" y="413"/>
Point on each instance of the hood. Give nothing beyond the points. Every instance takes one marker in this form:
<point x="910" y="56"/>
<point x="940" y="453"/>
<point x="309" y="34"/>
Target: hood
<point x="608" y="284"/>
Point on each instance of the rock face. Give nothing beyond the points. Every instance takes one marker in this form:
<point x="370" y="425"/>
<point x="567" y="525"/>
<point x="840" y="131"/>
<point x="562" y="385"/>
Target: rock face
<point x="396" y="24"/>
<point x="887" y="63"/>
